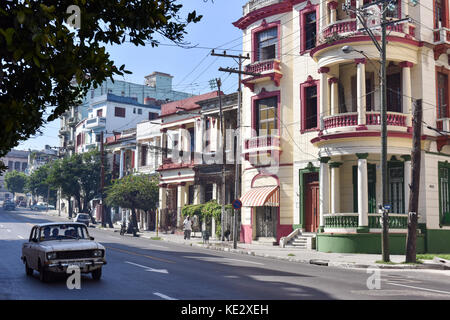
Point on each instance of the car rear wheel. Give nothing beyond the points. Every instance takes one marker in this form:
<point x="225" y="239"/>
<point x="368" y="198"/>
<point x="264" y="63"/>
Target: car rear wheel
<point x="97" y="274"/>
<point x="28" y="270"/>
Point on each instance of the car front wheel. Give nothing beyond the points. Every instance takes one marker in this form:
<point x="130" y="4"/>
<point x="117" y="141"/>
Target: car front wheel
<point x="44" y="275"/>
<point x="97" y="274"/>
<point x="28" y="270"/>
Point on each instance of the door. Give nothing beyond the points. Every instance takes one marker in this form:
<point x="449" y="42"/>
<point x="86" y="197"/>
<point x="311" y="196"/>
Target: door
<point x="371" y="188"/>
<point x="312" y="206"/>
<point x="266" y="221"/>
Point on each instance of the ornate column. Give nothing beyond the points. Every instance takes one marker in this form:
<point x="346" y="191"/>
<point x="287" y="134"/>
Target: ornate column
<point x="407" y="179"/>
<point x="323" y="87"/>
<point x="334" y="96"/>
<point x="361" y="90"/>
<point x="180" y="199"/>
<point x="324" y="191"/>
<point x="335" y="187"/>
<point x="162" y="203"/>
<point x="406" y="89"/>
<point x="121" y="163"/>
<point x="363" y="217"/>
<point x="333" y="11"/>
<point x="323" y="13"/>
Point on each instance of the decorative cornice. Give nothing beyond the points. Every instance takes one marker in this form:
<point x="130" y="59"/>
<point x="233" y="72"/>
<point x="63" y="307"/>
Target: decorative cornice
<point x="406" y="157"/>
<point x="324" y="159"/>
<point x="335" y="164"/>
<point x="323" y="70"/>
<point x="261" y="13"/>
<point x="360" y="61"/>
<point x="406" y="64"/>
<point x="332" y="5"/>
<point x="333" y="80"/>
<point x="362" y="156"/>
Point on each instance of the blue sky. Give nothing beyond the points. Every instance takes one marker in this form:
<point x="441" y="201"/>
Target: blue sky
<point x="191" y="68"/>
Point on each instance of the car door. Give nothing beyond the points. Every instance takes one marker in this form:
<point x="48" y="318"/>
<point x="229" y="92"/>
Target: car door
<point x="27" y="246"/>
<point x="33" y="249"/>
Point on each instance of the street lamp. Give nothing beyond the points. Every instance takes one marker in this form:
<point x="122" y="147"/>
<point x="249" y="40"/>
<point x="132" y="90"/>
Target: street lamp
<point x="383" y="115"/>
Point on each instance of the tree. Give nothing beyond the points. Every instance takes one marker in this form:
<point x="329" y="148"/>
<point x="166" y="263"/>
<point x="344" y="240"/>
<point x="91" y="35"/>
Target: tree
<point x="38" y="184"/>
<point x="134" y="192"/>
<point x="48" y="60"/>
<point x="15" y="182"/>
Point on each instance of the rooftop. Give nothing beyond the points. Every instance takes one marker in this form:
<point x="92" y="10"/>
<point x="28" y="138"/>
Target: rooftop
<point x="185" y="104"/>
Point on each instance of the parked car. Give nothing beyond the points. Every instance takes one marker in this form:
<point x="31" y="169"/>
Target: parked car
<point x="83" y="218"/>
<point x="53" y="247"/>
<point x="8" y="205"/>
<point x="23" y="204"/>
<point x="40" y="206"/>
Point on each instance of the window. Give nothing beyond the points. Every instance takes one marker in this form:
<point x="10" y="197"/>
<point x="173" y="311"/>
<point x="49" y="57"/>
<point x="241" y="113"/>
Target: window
<point x="24" y="166"/>
<point x="208" y="134"/>
<point x="10" y="166"/>
<point x="267" y="44"/>
<point x="144" y="150"/>
<point x="394" y="92"/>
<point x="442" y="95"/>
<point x="440" y="14"/>
<point x="208" y="192"/>
<point x="393" y="9"/>
<point x="310" y="30"/>
<point x="396" y="190"/>
<point x="152" y="116"/>
<point x="119" y="112"/>
<point x="191" y="191"/>
<point x="370" y="92"/>
<point x="134" y="110"/>
<point x="17" y="166"/>
<point x="311" y="107"/>
<point x="139" y="111"/>
<point x="100" y="113"/>
<point x="97" y="138"/>
<point x="371" y="188"/>
<point x="444" y="195"/>
<point x="266" y="112"/>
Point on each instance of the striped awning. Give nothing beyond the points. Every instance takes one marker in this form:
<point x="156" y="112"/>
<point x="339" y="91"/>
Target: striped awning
<point x="262" y="196"/>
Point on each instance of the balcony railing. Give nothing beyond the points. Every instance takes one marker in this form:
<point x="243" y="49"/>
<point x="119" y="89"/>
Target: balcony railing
<point x="253" y="5"/>
<point x="96" y="122"/>
<point x="341" y="120"/>
<point x="350" y="220"/>
<point x="441" y="35"/>
<point x="262" y="66"/>
<point x="262" y="142"/>
<point x="393" y="119"/>
<point x="342" y="26"/>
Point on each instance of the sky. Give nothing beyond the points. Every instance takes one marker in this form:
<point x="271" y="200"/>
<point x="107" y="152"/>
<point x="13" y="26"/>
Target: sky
<point x="191" y="68"/>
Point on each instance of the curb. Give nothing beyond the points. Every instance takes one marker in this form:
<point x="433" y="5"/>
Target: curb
<point x="318" y="262"/>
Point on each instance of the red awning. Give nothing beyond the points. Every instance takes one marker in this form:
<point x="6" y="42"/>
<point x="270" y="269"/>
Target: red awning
<point x="262" y="196"/>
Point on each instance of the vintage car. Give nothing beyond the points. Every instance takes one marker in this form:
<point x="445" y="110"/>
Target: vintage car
<point x="8" y="205"/>
<point x="53" y="247"/>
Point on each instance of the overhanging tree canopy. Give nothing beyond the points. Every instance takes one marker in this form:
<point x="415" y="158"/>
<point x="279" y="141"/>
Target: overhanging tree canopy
<point x="40" y="57"/>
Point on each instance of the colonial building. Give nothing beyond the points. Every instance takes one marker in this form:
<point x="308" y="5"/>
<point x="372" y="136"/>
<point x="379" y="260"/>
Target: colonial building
<point x="191" y="161"/>
<point x="314" y="114"/>
<point x="15" y="160"/>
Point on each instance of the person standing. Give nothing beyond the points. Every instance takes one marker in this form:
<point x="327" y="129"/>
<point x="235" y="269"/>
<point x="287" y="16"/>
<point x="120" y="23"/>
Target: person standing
<point x="187" y="228"/>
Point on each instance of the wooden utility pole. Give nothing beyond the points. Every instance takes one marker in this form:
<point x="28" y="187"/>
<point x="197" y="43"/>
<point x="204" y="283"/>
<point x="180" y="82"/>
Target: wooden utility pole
<point x="415" y="184"/>
<point x="102" y="181"/>
<point x="222" y="187"/>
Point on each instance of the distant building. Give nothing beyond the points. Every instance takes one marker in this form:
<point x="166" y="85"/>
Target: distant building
<point x="37" y="158"/>
<point x="156" y="90"/>
<point x="15" y="160"/>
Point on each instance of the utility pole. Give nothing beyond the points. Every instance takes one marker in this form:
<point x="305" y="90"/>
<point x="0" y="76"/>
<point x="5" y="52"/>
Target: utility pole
<point x="222" y="187"/>
<point x="237" y="186"/>
<point x="102" y="181"/>
<point x="361" y="14"/>
<point x="413" y="207"/>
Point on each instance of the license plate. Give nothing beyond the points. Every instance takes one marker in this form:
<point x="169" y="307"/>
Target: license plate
<point x="77" y="264"/>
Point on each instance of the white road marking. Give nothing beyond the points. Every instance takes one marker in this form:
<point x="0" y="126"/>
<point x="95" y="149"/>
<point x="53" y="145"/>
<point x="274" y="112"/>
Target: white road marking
<point x="418" y="288"/>
<point x="163" y="296"/>
<point x="148" y="268"/>
<point x="21" y="237"/>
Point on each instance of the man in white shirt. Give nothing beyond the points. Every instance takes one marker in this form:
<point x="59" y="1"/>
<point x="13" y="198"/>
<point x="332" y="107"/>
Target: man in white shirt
<point x="187" y="228"/>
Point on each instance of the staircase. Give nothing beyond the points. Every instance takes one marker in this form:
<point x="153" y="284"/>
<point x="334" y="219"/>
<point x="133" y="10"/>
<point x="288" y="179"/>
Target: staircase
<point x="305" y="240"/>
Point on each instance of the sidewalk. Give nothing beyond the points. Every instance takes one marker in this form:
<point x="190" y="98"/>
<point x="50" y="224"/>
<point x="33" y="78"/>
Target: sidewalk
<point x="342" y="260"/>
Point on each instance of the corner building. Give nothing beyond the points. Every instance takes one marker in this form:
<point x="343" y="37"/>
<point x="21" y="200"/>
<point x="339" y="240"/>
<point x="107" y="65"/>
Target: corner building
<point x="315" y="111"/>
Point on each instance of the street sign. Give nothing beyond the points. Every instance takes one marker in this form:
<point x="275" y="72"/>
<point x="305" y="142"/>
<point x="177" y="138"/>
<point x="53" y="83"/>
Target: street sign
<point x="387" y="207"/>
<point x="237" y="204"/>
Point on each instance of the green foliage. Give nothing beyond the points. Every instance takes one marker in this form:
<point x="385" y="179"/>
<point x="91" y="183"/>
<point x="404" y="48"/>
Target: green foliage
<point x="15" y="181"/>
<point x="38" y="183"/>
<point x="134" y="192"/>
<point x="46" y="63"/>
<point x="192" y="210"/>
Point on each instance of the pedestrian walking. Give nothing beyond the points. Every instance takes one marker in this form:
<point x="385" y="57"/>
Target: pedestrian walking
<point x="187" y="223"/>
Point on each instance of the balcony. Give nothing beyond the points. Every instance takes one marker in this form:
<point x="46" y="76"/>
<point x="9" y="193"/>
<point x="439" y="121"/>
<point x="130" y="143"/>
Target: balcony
<point x="253" y="5"/>
<point x="339" y="28"/>
<point x="270" y="70"/>
<point x="441" y="39"/>
<point x="97" y="122"/>
<point x="345" y="120"/>
<point x="260" y="145"/>
<point x="168" y="164"/>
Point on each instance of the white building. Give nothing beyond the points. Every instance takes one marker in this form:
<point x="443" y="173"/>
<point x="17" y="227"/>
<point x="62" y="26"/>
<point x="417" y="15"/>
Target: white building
<point x="111" y="113"/>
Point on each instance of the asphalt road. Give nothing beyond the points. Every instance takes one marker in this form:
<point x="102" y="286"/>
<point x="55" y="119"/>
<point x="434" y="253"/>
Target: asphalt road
<point x="139" y="268"/>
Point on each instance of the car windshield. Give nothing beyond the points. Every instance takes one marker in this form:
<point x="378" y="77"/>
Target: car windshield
<point x="83" y="216"/>
<point x="63" y="232"/>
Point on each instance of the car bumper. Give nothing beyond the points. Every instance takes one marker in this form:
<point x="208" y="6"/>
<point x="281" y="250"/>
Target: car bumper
<point x="85" y="266"/>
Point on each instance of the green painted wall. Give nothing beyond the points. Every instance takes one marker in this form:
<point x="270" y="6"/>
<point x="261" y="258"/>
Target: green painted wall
<point x="364" y="243"/>
<point x="438" y="241"/>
